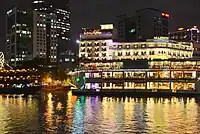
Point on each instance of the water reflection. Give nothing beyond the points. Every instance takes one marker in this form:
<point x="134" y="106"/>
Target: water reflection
<point x="17" y="115"/>
<point x="60" y="112"/>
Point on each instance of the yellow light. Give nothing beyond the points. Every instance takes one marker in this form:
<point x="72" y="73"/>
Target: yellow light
<point x="106" y="26"/>
<point x="159" y="57"/>
<point x="180" y="29"/>
<point x="59" y="106"/>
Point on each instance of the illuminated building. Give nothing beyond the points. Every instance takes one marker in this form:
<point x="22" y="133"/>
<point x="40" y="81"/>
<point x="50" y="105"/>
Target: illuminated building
<point x="152" y="49"/>
<point x="18" y="36"/>
<point x="95" y="43"/>
<point x="185" y="34"/>
<point x="45" y="37"/>
<point x="62" y="24"/>
<point x="151" y="22"/>
<point x="97" y="46"/>
<point x="157" y="64"/>
<point x="188" y="35"/>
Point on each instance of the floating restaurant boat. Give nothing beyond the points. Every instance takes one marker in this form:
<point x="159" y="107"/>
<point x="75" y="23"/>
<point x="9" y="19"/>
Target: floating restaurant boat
<point x="19" y="81"/>
<point x="147" y="77"/>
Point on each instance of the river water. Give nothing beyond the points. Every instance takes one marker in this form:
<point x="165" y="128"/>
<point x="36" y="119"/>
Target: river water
<point x="62" y="113"/>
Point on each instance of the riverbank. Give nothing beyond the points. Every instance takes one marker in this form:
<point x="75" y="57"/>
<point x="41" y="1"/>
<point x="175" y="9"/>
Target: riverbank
<point x="135" y="93"/>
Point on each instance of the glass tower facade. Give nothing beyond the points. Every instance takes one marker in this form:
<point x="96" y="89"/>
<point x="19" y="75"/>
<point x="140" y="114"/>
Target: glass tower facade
<point x="18" y="36"/>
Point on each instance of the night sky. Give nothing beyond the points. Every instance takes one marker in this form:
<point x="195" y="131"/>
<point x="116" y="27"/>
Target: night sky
<point x="90" y="13"/>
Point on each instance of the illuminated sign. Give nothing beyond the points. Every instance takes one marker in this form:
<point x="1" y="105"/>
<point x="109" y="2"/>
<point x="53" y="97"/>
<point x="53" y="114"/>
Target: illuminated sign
<point x="94" y="32"/>
<point x="161" y="38"/>
<point x="106" y="26"/>
<point x="165" y="15"/>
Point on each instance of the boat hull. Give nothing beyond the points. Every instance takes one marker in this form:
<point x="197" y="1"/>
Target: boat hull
<point x="26" y="90"/>
<point x="134" y="93"/>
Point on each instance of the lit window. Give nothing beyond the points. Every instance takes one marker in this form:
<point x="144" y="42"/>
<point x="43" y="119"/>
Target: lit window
<point x="66" y="59"/>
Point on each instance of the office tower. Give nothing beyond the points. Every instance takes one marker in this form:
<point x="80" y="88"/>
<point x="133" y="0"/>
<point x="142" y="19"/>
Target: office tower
<point x="124" y="28"/>
<point x="186" y="34"/>
<point x="62" y="24"/>
<point x="45" y="37"/>
<point x="151" y="23"/>
<point x="18" y="36"/>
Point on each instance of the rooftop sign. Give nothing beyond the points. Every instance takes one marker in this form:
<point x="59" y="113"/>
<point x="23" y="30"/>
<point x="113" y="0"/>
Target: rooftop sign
<point x="92" y="32"/>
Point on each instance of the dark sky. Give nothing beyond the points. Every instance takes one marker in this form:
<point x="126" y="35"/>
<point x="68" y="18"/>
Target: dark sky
<point x="93" y="12"/>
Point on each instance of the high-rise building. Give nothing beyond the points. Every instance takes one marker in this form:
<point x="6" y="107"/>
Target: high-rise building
<point x="124" y="28"/>
<point x="186" y="34"/>
<point x="62" y="24"/>
<point x="151" y="23"/>
<point x="147" y="24"/>
<point x="45" y="37"/>
<point x="19" y="37"/>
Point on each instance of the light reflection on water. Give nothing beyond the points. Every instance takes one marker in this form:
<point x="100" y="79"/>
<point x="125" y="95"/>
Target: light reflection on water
<point x="60" y="112"/>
